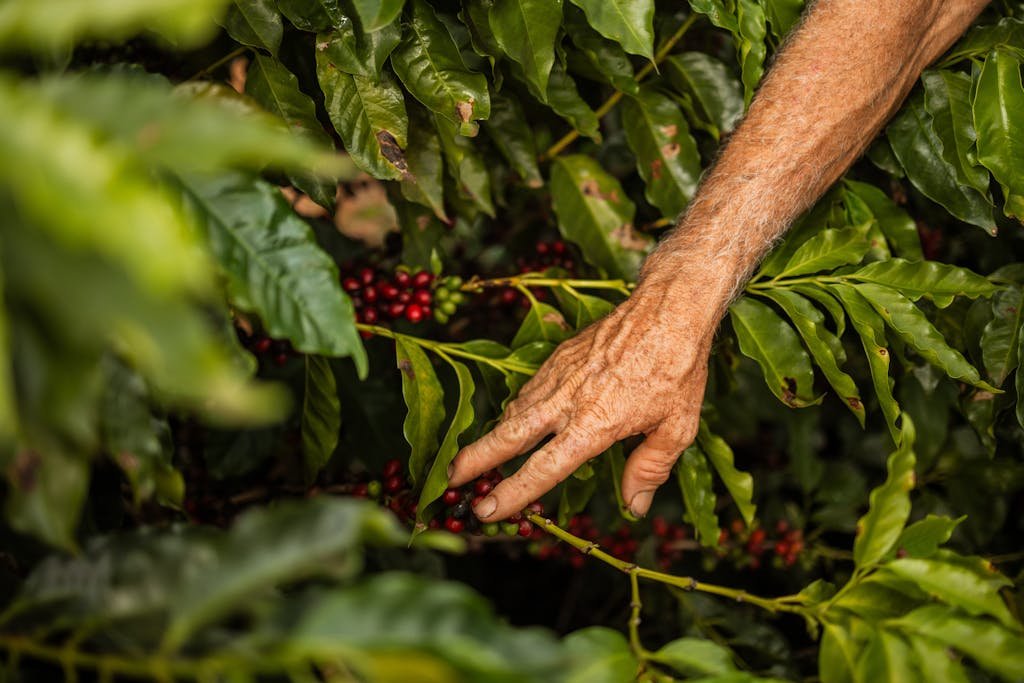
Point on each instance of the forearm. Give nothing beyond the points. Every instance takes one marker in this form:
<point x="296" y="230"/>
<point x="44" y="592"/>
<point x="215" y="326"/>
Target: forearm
<point x="834" y="85"/>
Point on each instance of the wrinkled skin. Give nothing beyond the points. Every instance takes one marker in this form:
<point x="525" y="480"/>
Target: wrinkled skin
<point x="641" y="370"/>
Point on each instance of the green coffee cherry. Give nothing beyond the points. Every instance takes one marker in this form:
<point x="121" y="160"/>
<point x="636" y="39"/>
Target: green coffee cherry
<point x="448" y="308"/>
<point x="510" y="528"/>
<point x="373" y="489"/>
<point x="491" y="529"/>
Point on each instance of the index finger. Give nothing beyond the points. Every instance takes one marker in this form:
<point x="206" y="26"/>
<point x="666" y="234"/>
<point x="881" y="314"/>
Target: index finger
<point x="508" y="439"/>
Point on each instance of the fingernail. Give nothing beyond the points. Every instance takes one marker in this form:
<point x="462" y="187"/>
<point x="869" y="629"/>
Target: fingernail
<point x="486" y="507"/>
<point x="641" y="503"/>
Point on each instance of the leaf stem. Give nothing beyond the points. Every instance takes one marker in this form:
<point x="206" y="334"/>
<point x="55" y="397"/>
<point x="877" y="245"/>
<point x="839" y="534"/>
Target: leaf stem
<point x="609" y="104"/>
<point x="446" y="350"/>
<point x="476" y="284"/>
<point x="220" y="62"/>
<point x="782" y="604"/>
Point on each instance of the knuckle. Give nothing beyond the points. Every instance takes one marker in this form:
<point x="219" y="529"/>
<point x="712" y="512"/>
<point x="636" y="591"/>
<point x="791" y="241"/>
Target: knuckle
<point x="654" y="470"/>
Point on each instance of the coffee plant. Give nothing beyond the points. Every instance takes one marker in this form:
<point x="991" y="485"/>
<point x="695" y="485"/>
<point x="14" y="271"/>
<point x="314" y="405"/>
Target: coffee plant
<point x="268" y="264"/>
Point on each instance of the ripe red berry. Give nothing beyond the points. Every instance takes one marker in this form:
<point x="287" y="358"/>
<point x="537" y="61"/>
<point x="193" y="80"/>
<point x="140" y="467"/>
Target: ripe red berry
<point x="350" y="284"/>
<point x="388" y="291"/>
<point x="509" y="296"/>
<point x="394" y="484"/>
<point x="370" y="294"/>
<point x="536" y="507"/>
<point x="576" y="561"/>
<point x="404" y="297"/>
<point x="402" y="279"/>
<point x="558" y="246"/>
<point x="367" y="275"/>
<point x="423" y="297"/>
<point x="757" y="536"/>
<point x="413" y="313"/>
<point x="781" y="527"/>
<point x="482" y="487"/>
<point x="454" y="525"/>
<point x="451" y="497"/>
<point x="525" y="527"/>
<point x="280" y="359"/>
<point x="263" y="345"/>
<point x="360" y="490"/>
<point x="781" y="548"/>
<point x="723" y="536"/>
<point x="659" y="526"/>
<point x="369" y="315"/>
<point x="422" y="279"/>
<point x="392" y="467"/>
<point x="737" y="527"/>
<point x="396" y="310"/>
<point x="542" y="248"/>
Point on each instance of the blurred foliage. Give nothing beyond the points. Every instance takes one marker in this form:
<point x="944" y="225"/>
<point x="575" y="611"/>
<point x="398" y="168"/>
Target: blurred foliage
<point x="144" y="232"/>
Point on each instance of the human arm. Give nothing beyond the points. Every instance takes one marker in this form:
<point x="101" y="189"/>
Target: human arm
<point x="642" y="369"/>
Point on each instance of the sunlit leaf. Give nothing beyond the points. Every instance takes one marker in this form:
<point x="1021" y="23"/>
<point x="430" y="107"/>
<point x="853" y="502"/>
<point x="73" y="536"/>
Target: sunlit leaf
<point x="998" y="95"/>
<point x="889" y="504"/>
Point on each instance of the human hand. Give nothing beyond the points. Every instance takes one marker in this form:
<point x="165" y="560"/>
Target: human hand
<point x="640" y="370"/>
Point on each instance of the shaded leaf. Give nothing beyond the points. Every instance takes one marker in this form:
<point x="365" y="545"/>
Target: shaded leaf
<point x="694" y="479"/>
<point x="889" y="503"/>
<point x="312" y="15"/>
<point x="357" y="52"/>
<point x="424" y="400"/>
<point x="421" y="234"/>
<point x="466" y="165"/>
<point x="911" y="325"/>
<point x="694" y="657"/>
<point x="919" y="150"/>
<point x="828" y="250"/>
<point x="939" y="282"/>
<point x="599" y="655"/>
<point x="998" y="96"/>
<point x="424" y="182"/>
<point x="629" y="23"/>
<point x="511" y="133"/>
<point x="429" y="65"/>
<point x="769" y="340"/>
<point x="711" y="90"/>
<point x="321" y="415"/>
<point x="1000" y="340"/>
<point x="606" y="57"/>
<point x="739" y="484"/>
<point x="895" y="223"/>
<point x="525" y="30"/>
<point x="666" y="153"/>
<point x="948" y="100"/>
<point x="274" y="266"/>
<point x="437" y="477"/>
<point x="595" y="214"/>
<point x="376" y="14"/>
<point x="256" y="23"/>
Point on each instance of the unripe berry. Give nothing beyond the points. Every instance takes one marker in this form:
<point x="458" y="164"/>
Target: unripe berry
<point x="510" y="528"/>
<point x="373" y="489"/>
<point x="491" y="529"/>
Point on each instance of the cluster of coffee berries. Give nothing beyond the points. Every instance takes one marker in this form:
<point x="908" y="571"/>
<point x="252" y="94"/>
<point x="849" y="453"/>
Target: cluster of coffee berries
<point x="672" y="540"/>
<point x="457" y="515"/>
<point x="266" y="349"/>
<point x="748" y="547"/>
<point x="380" y="297"/>
<point x="547" y="254"/>
<point x="392" y="489"/>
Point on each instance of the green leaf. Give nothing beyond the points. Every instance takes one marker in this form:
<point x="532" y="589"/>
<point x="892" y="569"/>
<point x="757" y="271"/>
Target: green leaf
<point x="972" y="587"/>
<point x="511" y="133"/>
<point x="998" y="96"/>
<point x="628" y="22"/>
<point x="948" y="100"/>
<point x="782" y="15"/>
<point x="887" y="657"/>
<point x="466" y="165"/>
<point x="321" y="415"/>
<point x="424" y="182"/>
<point x="360" y="53"/>
<point x="576" y="493"/>
<point x="274" y="266"/>
<point x="607" y="58"/>
<point x="376" y="14"/>
<point x="712" y="90"/>
<point x="543" y="322"/>
<point x="421" y="234"/>
<point x="46" y="491"/>
<point x="911" y="325"/>
<point x="829" y="303"/>
<point x="271" y="546"/>
<point x="1000" y="340"/>
<point x="769" y="340"/>
<point x="138" y="441"/>
<point x="526" y="31"/>
<point x="582" y="309"/>
<point x="437" y="478"/>
<point x="595" y="214"/>
<point x="994" y="647"/>
<point x="1019" y="382"/>
<point x="429" y="65"/>
<point x="739" y="484"/>
<point x="837" y="654"/>
<point x="939" y="282"/>
<point x="824" y="346"/>
<point x="981" y="40"/>
<point x="871" y="329"/>
<point x="424" y="400"/>
<point x="923" y="537"/>
<point x="695" y="656"/>
<point x="564" y="99"/>
<point x="277" y="90"/>
<point x="599" y="655"/>
<point x="895" y="223"/>
<point x="919" y="150"/>
<point x="750" y="45"/>
<point x="828" y="250"/>
<point x="889" y="503"/>
<point x="43" y="25"/>
<point x="666" y="153"/>
<point x="256" y="23"/>
<point x="934" y="662"/>
<point x="312" y="15"/>
<point x="370" y="118"/>
<point x="694" y="479"/>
